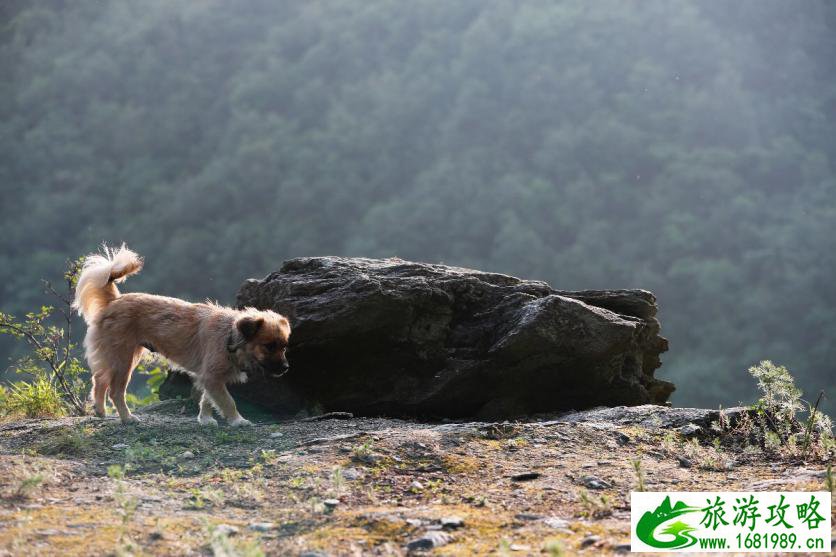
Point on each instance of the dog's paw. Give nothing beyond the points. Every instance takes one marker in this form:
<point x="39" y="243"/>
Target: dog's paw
<point x="131" y="419"/>
<point x="207" y="420"/>
<point x="240" y="422"/>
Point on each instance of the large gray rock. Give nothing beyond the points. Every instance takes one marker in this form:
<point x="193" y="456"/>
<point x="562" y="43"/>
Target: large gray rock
<point x="410" y="339"/>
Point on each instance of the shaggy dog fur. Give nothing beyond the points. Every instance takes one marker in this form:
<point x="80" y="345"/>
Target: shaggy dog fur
<point x="216" y="345"/>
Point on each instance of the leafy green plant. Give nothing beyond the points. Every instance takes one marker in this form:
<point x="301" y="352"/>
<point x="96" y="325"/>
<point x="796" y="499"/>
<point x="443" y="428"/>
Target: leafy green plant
<point x="155" y="373"/>
<point x="38" y="398"/>
<point x="52" y="366"/>
<point x="778" y="408"/>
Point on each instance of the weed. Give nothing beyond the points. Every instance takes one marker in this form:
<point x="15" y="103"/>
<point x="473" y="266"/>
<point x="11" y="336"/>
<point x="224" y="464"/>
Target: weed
<point x="138" y="455"/>
<point x="337" y="480"/>
<point x="594" y="506"/>
<point x="269" y="456"/>
<point x="364" y="450"/>
<point x="231" y="475"/>
<point x="670" y="442"/>
<point x="35" y="399"/>
<point x="199" y="498"/>
<point x="553" y="548"/>
<point x="828" y="478"/>
<point x="27" y="485"/>
<point x="434" y="486"/>
<point x="67" y="441"/>
<point x="127" y="508"/>
<point x="637" y="469"/>
<point x="222" y="546"/>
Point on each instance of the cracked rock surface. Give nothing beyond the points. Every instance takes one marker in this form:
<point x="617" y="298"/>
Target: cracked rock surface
<point x="392" y="337"/>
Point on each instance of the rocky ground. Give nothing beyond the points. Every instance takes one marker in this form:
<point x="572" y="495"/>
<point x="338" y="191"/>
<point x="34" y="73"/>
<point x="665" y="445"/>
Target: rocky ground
<point x="350" y="486"/>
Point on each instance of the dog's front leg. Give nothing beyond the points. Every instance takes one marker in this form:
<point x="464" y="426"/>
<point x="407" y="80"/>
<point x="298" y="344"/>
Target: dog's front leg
<point x="225" y="405"/>
<point x="205" y="416"/>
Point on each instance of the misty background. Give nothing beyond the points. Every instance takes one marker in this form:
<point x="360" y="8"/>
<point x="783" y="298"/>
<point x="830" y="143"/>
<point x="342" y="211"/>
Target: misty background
<point x="684" y="147"/>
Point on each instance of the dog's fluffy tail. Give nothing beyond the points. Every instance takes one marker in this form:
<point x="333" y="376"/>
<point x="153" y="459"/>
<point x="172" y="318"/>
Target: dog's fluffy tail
<point x="97" y="284"/>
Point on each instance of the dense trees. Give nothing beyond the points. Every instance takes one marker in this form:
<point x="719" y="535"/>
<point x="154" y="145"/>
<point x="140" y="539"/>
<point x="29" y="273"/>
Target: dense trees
<point x="685" y="147"/>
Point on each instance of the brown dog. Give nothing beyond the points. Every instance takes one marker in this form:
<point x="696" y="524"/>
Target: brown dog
<point x="216" y="345"/>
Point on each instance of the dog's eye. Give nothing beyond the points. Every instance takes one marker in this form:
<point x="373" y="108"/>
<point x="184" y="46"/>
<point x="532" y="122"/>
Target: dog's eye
<point x="271" y="346"/>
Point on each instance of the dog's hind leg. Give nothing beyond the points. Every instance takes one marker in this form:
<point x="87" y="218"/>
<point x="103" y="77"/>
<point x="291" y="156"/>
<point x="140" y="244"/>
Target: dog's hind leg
<point x="101" y="382"/>
<point x="119" y="384"/>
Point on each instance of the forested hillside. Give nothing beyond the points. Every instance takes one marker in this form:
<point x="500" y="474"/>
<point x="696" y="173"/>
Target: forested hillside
<point x="685" y="147"/>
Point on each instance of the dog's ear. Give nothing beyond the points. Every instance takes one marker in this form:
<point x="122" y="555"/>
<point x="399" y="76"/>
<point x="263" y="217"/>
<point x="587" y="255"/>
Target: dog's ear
<point x="249" y="326"/>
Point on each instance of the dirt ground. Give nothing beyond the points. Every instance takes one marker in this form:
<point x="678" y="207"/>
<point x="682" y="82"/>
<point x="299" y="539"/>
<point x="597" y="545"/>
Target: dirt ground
<point x="555" y="486"/>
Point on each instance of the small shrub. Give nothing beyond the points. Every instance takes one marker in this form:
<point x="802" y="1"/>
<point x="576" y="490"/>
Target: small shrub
<point x="40" y="398"/>
<point x="777" y="414"/>
<point x="52" y="366"/>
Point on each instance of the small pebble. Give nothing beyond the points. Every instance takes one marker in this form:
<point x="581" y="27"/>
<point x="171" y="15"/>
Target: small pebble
<point x="416" y="485"/>
<point x="451" y="522"/>
<point x="554" y="522"/>
<point x="331" y="503"/>
<point x="276" y="434"/>
<point x="119" y="446"/>
<point x="593" y="482"/>
<point x="187" y="455"/>
<point x="622" y="548"/>
<point x="520" y="547"/>
<point x="226" y="529"/>
<point x="689" y="430"/>
<point x="525" y="476"/>
<point x="684" y="462"/>
<point x="589" y="540"/>
<point x="622" y="438"/>
<point x="527" y="516"/>
<point x="262" y="526"/>
<point x="352" y="474"/>
<point x="429" y="540"/>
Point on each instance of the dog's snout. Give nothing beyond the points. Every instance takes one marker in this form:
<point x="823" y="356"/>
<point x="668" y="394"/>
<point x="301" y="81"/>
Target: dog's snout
<point x="285" y="366"/>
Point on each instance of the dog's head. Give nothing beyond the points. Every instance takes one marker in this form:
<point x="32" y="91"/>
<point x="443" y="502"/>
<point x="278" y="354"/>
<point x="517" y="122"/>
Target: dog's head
<point x="263" y="342"/>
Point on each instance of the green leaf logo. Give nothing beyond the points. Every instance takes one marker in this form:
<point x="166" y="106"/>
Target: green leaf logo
<point x="681" y="532"/>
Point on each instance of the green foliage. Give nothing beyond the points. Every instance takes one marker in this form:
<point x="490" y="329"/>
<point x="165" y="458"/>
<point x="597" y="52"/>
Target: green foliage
<point x="780" y="398"/>
<point x="154" y="377"/>
<point x="55" y="376"/>
<point x="778" y="411"/>
<point x="636" y="463"/>
<point x="675" y="146"/>
<point x="36" y="399"/>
